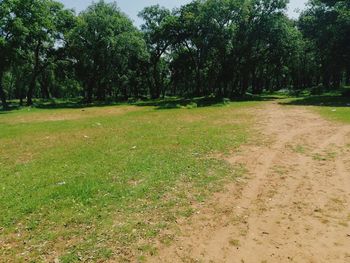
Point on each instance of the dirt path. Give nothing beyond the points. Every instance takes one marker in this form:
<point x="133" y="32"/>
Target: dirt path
<point x="294" y="206"/>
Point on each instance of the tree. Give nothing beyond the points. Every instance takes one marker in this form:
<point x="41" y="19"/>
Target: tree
<point x="159" y="35"/>
<point x="106" y="48"/>
<point x="35" y="31"/>
<point x="222" y="48"/>
<point x="11" y="35"/>
<point x="326" y="24"/>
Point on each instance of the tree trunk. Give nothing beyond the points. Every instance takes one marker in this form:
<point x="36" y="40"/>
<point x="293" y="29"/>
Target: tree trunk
<point x="31" y="90"/>
<point x="2" y="93"/>
<point x="155" y="93"/>
<point x="337" y="80"/>
<point x="259" y="86"/>
<point x="3" y="97"/>
<point x="101" y="92"/>
<point x="255" y="84"/>
<point x="245" y="82"/>
<point x="89" y="90"/>
<point x="234" y="87"/>
<point x="45" y="89"/>
<point x="198" y="83"/>
<point x="326" y="80"/>
<point x="268" y="84"/>
<point x="34" y="76"/>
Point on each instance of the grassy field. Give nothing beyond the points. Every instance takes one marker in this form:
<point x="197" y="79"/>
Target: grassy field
<point x="102" y="182"/>
<point x="333" y="107"/>
<point x="339" y="114"/>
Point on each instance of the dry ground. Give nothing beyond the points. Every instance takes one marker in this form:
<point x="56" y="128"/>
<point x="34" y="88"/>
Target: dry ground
<point x="293" y="206"/>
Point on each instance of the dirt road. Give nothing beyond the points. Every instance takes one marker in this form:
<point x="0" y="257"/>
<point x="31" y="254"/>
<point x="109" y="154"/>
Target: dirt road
<point x="293" y="205"/>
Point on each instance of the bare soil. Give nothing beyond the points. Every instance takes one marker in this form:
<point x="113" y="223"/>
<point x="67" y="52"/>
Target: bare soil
<point x="293" y="205"/>
<point x="66" y="114"/>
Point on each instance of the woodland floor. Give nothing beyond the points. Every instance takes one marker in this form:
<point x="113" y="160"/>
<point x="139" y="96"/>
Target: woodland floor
<point x="292" y="206"/>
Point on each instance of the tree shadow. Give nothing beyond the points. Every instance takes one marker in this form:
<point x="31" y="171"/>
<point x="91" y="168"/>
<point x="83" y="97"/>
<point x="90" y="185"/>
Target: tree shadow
<point x="9" y="109"/>
<point x="159" y="104"/>
<point x="178" y="103"/>
<point x="59" y="104"/>
<point x="198" y="102"/>
<point x="321" y="100"/>
<point x="75" y="105"/>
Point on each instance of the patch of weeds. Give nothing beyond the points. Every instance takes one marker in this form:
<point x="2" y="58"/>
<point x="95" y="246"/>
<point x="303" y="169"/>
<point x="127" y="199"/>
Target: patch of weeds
<point x="299" y="149"/>
<point x="187" y="212"/>
<point x="240" y="170"/>
<point x="167" y="239"/>
<point x="331" y="155"/>
<point x="280" y="170"/>
<point x="192" y="105"/>
<point x="147" y="249"/>
<point x="319" y="157"/>
<point x="69" y="258"/>
<point x="200" y="198"/>
<point x="234" y="242"/>
<point x="104" y="253"/>
<point x="243" y="232"/>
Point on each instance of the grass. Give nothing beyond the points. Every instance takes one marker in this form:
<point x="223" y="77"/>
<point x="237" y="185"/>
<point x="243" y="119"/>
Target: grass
<point x="234" y="242"/>
<point x="341" y="114"/>
<point x="332" y="106"/>
<point x="98" y="183"/>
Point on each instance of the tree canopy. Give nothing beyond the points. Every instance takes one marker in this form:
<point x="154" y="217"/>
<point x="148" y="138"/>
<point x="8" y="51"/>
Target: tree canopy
<point x="223" y="48"/>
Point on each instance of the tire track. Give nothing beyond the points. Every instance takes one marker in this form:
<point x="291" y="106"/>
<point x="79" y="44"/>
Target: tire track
<point x="293" y="207"/>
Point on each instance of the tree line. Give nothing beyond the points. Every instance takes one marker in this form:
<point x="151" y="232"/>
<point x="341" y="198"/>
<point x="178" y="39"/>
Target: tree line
<point x="223" y="48"/>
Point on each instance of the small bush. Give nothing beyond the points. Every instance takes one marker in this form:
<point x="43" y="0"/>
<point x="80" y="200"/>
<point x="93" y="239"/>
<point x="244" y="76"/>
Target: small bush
<point x="295" y="92"/>
<point x="318" y="90"/>
<point x="192" y="105"/>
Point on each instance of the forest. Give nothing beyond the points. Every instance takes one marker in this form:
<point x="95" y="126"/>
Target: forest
<point x="221" y="48"/>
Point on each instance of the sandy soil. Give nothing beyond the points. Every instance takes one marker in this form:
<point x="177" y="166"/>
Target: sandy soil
<point x="293" y="206"/>
<point x="66" y="114"/>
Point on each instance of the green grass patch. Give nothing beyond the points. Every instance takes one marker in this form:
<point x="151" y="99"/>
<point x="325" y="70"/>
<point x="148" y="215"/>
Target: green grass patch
<point x="97" y="183"/>
<point x="332" y="106"/>
<point x="339" y="114"/>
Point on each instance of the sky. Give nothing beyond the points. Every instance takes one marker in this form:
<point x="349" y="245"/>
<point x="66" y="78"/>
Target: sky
<point x="133" y="7"/>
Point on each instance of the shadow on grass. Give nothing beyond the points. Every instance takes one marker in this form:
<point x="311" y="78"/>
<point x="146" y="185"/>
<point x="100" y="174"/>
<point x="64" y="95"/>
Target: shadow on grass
<point x="58" y="104"/>
<point x="321" y="100"/>
<point x="199" y="102"/>
<point x="74" y="105"/>
<point x="159" y="104"/>
<point x="9" y="108"/>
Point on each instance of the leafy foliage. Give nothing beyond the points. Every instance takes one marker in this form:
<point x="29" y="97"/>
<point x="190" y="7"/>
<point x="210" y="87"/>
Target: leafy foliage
<point x="224" y="48"/>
